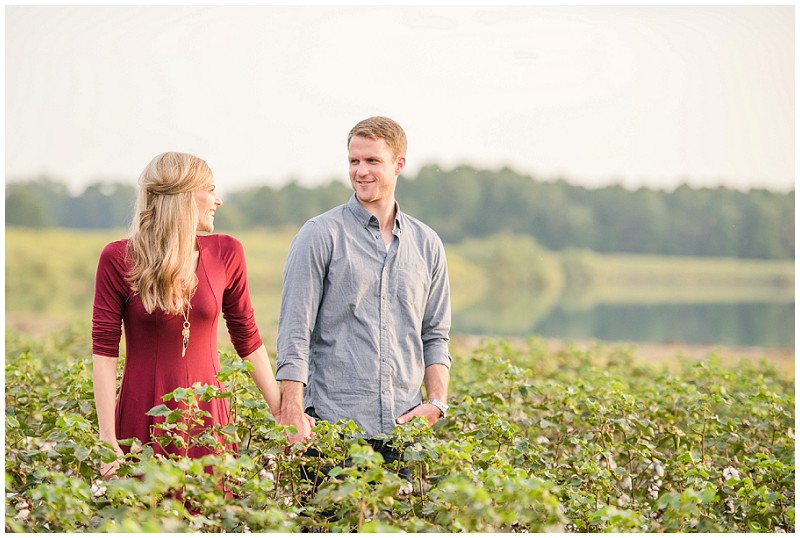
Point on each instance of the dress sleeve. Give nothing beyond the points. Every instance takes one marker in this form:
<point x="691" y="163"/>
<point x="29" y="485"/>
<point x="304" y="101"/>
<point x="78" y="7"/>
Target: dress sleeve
<point x="109" y="301"/>
<point x="236" y="305"/>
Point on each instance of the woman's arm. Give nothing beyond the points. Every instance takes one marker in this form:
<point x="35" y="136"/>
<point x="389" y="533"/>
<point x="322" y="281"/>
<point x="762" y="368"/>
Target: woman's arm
<point x="265" y="380"/>
<point x="104" y="375"/>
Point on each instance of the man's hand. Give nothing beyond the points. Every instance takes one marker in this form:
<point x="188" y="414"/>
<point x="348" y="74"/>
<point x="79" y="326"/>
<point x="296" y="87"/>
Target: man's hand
<point x="437" y="378"/>
<point x="303" y="424"/>
<point x="429" y="412"/>
<point x="304" y="434"/>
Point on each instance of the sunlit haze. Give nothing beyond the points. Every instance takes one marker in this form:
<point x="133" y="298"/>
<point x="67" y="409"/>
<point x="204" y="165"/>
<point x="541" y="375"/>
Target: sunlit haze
<point x="648" y="96"/>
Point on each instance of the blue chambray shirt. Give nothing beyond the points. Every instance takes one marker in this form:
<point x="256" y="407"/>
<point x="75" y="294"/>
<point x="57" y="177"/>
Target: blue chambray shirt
<point x="359" y="325"/>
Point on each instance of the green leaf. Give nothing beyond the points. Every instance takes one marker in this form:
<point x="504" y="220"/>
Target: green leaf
<point x="160" y="410"/>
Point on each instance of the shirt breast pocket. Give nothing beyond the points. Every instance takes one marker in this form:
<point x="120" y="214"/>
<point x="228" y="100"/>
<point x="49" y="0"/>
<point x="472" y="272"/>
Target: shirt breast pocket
<point x="413" y="285"/>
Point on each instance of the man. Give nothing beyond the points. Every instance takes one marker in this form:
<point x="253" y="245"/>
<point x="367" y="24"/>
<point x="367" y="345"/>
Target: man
<point x="365" y="310"/>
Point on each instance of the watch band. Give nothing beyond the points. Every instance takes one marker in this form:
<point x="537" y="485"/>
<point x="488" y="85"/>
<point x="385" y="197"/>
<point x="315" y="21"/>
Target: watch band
<point x="443" y="407"/>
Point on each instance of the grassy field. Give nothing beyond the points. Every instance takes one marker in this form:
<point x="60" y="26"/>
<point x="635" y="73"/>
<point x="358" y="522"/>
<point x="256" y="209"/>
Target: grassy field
<point x="646" y="278"/>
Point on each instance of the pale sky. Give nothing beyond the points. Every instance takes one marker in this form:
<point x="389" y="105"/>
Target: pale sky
<point x="637" y="95"/>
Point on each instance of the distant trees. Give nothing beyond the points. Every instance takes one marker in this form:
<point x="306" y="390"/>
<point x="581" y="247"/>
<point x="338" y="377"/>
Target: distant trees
<point x="45" y="202"/>
<point x="24" y="209"/>
<point x="290" y="205"/>
<point x="467" y="203"/>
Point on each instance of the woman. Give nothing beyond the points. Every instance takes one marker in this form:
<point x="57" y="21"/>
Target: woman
<point x="166" y="286"/>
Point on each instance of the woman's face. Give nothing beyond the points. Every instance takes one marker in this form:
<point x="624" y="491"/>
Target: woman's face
<point x="207" y="202"/>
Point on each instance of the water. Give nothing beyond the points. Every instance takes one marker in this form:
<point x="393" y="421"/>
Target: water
<point x="766" y="324"/>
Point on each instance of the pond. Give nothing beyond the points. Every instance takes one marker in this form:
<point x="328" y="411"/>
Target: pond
<point x="762" y="324"/>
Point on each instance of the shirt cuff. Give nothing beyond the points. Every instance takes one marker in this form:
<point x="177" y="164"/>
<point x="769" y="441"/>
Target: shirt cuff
<point x="437" y="355"/>
<point x="292" y="372"/>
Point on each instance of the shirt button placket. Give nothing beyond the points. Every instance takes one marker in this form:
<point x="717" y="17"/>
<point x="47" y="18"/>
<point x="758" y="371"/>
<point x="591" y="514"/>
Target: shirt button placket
<point x="386" y="396"/>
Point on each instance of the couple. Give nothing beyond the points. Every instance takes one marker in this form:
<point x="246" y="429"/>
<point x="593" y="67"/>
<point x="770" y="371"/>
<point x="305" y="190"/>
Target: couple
<point x="365" y="308"/>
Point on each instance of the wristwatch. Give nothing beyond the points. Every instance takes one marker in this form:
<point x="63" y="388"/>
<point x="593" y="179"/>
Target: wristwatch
<point x="443" y="407"/>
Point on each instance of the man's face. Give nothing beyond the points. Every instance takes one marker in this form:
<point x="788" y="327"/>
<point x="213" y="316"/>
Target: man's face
<point x="373" y="169"/>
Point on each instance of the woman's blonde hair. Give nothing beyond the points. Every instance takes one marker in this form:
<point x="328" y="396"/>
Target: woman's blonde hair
<point x="163" y="231"/>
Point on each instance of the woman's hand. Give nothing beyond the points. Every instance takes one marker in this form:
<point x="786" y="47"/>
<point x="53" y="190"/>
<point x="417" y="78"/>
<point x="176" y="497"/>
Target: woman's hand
<point x="109" y="470"/>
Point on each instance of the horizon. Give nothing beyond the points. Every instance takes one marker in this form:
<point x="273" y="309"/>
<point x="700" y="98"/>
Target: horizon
<point x="226" y="190"/>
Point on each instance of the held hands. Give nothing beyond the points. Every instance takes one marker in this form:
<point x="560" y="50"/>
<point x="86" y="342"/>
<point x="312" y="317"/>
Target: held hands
<point x="304" y="423"/>
<point x="428" y="411"/>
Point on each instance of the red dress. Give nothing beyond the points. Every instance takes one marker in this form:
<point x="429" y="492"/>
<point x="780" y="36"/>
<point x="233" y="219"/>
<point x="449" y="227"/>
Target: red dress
<point x="153" y="342"/>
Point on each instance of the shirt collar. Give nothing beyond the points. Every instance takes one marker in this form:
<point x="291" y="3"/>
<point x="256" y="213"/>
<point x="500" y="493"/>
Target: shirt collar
<point x="364" y="217"/>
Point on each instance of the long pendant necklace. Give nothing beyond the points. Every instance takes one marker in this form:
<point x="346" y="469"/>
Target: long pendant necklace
<point x="185" y="332"/>
<point x="186" y="324"/>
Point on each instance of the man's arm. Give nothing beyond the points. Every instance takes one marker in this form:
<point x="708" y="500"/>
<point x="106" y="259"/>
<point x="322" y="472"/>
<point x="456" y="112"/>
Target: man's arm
<point x="303" y="281"/>
<point x="292" y="413"/>
<point x="437" y="379"/>
<point x="436" y="318"/>
<point x="435" y="337"/>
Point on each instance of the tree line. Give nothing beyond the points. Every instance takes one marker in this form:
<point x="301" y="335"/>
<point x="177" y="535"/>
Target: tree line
<point x="466" y="202"/>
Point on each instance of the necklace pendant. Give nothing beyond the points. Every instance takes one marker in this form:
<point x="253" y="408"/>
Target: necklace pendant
<point x="185" y="334"/>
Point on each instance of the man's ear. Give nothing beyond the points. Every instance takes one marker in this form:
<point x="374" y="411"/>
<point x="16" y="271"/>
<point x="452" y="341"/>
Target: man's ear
<point x="398" y="167"/>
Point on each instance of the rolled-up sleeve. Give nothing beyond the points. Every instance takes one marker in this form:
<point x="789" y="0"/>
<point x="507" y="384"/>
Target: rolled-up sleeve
<point x="436" y="320"/>
<point x="303" y="282"/>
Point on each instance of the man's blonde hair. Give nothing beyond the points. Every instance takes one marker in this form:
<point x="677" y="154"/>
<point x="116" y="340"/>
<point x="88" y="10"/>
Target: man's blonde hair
<point x="163" y="231"/>
<point x="381" y="127"/>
